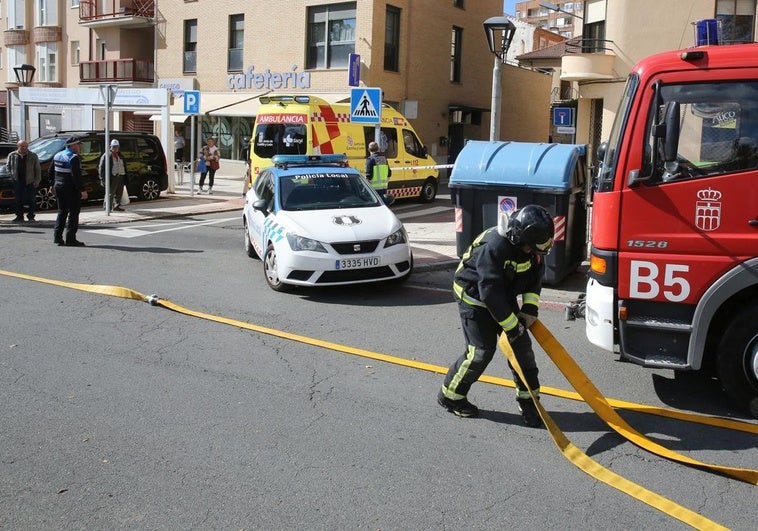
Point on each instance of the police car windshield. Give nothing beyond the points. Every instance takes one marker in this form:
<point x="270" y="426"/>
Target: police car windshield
<point x="326" y="190"/>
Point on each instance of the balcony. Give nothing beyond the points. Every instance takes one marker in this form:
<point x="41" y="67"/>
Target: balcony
<point x="117" y="71"/>
<point x="117" y="13"/>
<point x="588" y="59"/>
<point x="15" y="37"/>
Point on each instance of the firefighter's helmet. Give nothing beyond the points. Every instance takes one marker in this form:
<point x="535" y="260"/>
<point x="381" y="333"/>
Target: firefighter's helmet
<point x="531" y="225"/>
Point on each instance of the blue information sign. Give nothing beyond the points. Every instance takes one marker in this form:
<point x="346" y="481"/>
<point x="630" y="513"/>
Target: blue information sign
<point x="366" y="105"/>
<point x="354" y="70"/>
<point x="563" y="116"/>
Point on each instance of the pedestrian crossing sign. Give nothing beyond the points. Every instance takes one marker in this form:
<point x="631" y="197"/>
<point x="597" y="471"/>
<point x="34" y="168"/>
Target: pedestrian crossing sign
<point x="366" y="105"/>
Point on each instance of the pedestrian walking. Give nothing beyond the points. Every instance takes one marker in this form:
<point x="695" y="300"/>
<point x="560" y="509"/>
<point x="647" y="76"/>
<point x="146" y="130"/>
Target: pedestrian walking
<point x="212" y="157"/>
<point x="502" y="263"/>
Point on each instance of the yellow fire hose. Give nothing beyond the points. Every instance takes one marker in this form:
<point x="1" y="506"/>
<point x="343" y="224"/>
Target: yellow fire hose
<point x="586" y="391"/>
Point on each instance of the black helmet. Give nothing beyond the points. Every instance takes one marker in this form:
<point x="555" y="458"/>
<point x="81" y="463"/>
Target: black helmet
<point x="531" y="225"/>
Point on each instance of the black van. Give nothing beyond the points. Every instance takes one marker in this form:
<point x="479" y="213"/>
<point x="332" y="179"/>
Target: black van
<point x="146" y="167"/>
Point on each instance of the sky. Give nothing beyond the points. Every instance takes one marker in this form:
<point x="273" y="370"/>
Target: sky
<point x="509" y="7"/>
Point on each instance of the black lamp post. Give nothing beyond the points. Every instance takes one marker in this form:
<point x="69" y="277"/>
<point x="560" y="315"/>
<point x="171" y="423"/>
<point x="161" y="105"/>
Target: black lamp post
<point x="24" y="74"/>
<point x="499" y="32"/>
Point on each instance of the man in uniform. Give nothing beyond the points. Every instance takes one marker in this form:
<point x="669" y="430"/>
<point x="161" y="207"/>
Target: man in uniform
<point x="66" y="170"/>
<point x="501" y="263"/>
<point x="378" y="170"/>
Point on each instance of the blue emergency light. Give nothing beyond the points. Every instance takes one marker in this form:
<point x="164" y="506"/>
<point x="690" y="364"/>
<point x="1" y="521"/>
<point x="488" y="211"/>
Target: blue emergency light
<point x="707" y="32"/>
<point x="309" y="160"/>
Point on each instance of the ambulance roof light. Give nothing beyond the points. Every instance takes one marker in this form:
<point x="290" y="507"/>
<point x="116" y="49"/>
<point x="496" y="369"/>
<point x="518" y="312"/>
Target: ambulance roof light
<point x="284" y="99"/>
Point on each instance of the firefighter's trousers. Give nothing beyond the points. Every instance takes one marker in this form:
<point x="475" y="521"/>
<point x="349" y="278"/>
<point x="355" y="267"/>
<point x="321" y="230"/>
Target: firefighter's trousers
<point x="481" y="332"/>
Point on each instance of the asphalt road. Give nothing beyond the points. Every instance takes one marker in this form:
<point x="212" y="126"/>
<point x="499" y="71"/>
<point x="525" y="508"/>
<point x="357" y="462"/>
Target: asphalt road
<point x="119" y="414"/>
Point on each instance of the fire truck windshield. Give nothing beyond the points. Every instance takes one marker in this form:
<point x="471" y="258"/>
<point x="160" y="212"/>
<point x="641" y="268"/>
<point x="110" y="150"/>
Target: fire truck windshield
<point x="609" y="151"/>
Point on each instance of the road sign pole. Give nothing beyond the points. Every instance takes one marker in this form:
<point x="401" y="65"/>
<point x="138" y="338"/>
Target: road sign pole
<point x="192" y="156"/>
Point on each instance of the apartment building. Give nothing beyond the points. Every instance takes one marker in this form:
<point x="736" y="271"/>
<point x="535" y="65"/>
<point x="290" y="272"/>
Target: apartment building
<point x="430" y="57"/>
<point x="75" y="43"/>
<point x="563" y="18"/>
<point x="618" y="33"/>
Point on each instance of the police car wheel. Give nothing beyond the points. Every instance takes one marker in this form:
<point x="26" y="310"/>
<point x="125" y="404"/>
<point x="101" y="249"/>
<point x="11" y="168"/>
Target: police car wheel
<point x="738" y="359"/>
<point x="249" y="249"/>
<point x="270" y="272"/>
<point x="428" y="191"/>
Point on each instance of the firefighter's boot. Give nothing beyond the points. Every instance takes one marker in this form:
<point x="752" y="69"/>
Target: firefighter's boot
<point x="462" y="407"/>
<point x="529" y="414"/>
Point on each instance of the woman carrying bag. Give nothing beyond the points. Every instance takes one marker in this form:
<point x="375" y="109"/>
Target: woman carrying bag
<point x="212" y="157"/>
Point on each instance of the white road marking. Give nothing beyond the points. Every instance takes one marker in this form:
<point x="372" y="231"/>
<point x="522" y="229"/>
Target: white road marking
<point x="136" y="232"/>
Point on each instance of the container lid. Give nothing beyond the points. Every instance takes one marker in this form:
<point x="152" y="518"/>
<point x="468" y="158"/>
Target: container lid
<point x="522" y="164"/>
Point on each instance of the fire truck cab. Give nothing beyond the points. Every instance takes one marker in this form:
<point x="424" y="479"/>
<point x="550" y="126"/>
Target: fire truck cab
<point x="674" y="255"/>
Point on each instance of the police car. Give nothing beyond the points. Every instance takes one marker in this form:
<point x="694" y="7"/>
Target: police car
<point x="314" y="221"/>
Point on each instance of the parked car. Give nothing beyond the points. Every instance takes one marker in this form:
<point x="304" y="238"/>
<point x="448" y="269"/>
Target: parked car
<point x="316" y="222"/>
<point x="147" y="170"/>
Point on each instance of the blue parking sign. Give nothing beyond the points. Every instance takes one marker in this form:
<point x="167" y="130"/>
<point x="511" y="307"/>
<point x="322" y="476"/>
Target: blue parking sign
<point x="191" y="102"/>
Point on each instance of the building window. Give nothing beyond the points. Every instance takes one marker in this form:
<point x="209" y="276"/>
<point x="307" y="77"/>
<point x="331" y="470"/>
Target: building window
<point x="16" y="57"/>
<point x="392" y="40"/>
<point x="331" y="35"/>
<point x="737" y="20"/>
<point x="190" y="46"/>
<point x="458" y="4"/>
<point x="74" y="3"/>
<point x="455" y="54"/>
<point x="16" y="14"/>
<point x="47" y="62"/>
<point x="75" y="53"/>
<point x="46" y="12"/>
<point x="236" y="42"/>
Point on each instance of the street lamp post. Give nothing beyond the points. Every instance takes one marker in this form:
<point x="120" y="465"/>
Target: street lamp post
<point x="499" y="32"/>
<point x="24" y="76"/>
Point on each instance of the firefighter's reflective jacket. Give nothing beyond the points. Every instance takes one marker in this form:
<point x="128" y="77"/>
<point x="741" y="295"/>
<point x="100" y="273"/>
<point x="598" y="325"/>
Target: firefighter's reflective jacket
<point x="493" y="272"/>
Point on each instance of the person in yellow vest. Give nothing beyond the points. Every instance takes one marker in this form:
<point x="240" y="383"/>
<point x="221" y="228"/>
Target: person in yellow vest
<point x="378" y="170"/>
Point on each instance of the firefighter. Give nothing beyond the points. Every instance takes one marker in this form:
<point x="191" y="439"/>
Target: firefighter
<point x="501" y="263"/>
<point x="378" y="170"/>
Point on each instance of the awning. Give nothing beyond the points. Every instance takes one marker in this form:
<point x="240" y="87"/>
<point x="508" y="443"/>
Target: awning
<point x="176" y="118"/>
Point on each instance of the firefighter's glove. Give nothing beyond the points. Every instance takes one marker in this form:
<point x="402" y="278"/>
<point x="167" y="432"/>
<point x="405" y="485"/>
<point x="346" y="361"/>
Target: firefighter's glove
<point x="527" y="319"/>
<point x="516" y="332"/>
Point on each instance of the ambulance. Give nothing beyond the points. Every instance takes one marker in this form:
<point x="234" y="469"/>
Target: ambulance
<point x="309" y="125"/>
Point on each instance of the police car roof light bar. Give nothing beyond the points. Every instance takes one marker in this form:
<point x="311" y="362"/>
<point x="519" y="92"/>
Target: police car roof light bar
<point x="283" y="161"/>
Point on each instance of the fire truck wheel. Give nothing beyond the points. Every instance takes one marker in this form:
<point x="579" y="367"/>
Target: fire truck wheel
<point x="738" y="359"/>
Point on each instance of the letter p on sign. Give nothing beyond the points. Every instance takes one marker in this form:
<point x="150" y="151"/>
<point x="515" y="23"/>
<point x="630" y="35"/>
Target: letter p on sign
<point x="191" y="102"/>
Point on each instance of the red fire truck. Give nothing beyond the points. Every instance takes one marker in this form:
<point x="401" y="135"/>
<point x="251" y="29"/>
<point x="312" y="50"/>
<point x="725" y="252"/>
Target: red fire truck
<point x="674" y="258"/>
